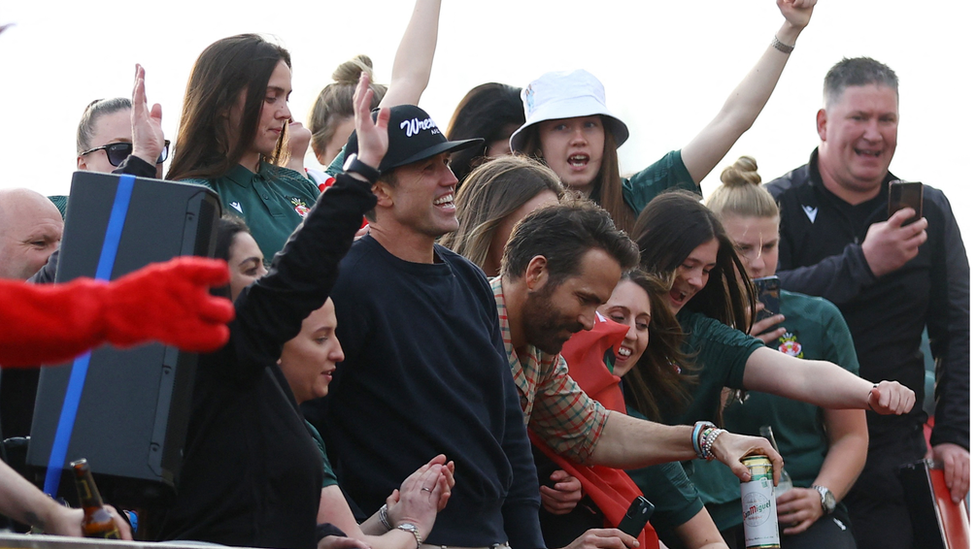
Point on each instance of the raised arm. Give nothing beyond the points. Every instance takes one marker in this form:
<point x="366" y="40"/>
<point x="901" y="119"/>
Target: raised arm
<point x="822" y="384"/>
<point x="749" y="97"/>
<point x="414" y="56"/>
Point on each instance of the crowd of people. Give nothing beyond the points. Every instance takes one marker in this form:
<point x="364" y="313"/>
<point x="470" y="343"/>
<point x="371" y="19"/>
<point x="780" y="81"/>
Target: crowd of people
<point x="489" y="337"/>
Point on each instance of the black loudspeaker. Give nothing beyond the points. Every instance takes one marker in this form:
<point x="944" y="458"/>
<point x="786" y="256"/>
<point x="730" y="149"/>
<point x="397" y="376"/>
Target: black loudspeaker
<point x="134" y="408"/>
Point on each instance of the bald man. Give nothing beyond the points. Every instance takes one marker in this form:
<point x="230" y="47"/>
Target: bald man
<point x="30" y="231"/>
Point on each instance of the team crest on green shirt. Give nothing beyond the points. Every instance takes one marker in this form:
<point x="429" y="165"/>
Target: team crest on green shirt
<point x="790" y="346"/>
<point x="300" y="206"/>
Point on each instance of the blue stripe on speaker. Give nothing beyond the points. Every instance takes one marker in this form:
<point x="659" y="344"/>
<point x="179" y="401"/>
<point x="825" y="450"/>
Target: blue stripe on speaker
<point x="79" y="368"/>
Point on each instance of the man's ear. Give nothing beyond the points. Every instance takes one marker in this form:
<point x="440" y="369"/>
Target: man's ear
<point x="537" y="273"/>
<point x="384" y="194"/>
<point x="82" y="163"/>
<point x="822" y="124"/>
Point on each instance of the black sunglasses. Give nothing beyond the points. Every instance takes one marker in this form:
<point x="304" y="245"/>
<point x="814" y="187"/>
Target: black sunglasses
<point x="117" y="152"/>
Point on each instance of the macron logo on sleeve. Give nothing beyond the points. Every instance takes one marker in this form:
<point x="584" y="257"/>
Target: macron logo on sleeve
<point x="811" y="213"/>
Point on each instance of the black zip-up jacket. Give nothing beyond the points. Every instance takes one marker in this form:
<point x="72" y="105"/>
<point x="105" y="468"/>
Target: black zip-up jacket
<point x="820" y="254"/>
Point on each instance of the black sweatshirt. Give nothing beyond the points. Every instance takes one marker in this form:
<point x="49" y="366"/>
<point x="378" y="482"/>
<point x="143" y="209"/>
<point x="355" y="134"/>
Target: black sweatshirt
<point x="820" y="254"/>
<point x="252" y="475"/>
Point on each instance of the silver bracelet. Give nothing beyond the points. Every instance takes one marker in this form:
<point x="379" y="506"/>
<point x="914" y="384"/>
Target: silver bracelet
<point x="385" y="518"/>
<point x="781" y="46"/>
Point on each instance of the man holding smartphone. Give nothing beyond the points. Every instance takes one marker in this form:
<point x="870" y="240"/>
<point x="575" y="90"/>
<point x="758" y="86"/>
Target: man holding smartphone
<point x="890" y="282"/>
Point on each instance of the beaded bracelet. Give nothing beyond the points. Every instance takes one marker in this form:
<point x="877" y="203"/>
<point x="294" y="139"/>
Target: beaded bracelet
<point x="709" y="441"/>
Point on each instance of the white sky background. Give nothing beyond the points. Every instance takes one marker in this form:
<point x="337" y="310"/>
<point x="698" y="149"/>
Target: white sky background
<point x="667" y="67"/>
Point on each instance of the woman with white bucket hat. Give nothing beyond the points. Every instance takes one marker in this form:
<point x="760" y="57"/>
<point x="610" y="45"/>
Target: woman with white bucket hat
<point x="569" y="126"/>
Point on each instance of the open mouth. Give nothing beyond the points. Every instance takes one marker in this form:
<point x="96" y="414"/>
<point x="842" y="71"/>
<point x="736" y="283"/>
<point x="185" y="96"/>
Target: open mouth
<point x="869" y="154"/>
<point x="578" y="161"/>
<point x="446" y="201"/>
<point x="678" y="297"/>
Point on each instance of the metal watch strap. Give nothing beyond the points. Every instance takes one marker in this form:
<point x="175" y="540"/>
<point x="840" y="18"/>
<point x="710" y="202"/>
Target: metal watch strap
<point x="412" y="528"/>
<point x="823" y="491"/>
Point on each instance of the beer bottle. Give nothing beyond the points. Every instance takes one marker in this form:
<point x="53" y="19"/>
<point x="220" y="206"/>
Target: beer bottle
<point x="98" y="522"/>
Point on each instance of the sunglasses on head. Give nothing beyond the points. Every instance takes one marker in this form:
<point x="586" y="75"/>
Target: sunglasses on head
<point x="117" y="152"/>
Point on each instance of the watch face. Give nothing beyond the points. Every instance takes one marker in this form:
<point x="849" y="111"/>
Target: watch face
<point x="829" y="501"/>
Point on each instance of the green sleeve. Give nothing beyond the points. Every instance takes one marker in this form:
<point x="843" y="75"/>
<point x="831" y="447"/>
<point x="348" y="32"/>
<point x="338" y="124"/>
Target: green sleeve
<point x="840" y="349"/>
<point x="328" y="477"/>
<point x="61" y="202"/>
<point x="667" y="173"/>
<point x="720" y="353"/>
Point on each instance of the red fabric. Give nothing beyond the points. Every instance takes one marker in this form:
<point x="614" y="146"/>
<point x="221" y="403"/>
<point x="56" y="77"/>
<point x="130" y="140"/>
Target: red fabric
<point x="167" y="302"/>
<point x="611" y="489"/>
<point x="328" y="183"/>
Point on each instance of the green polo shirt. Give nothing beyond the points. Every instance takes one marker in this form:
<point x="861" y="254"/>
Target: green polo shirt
<point x="815" y="330"/>
<point x="272" y="202"/>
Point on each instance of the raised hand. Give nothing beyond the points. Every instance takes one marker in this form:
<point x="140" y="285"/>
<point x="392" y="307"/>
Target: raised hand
<point x="372" y="136"/>
<point x="147" y="129"/>
<point x="796" y="12"/>
<point x="888" y="245"/>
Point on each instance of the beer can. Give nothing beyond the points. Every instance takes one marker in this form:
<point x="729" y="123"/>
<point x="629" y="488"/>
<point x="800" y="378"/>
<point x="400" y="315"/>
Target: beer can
<point x="759" y="504"/>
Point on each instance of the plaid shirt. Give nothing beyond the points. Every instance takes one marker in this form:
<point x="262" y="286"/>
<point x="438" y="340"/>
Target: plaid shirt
<point x="553" y="405"/>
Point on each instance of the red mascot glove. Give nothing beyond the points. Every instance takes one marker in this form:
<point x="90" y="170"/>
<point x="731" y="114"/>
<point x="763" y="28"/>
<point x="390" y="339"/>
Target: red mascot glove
<point x="167" y="302"/>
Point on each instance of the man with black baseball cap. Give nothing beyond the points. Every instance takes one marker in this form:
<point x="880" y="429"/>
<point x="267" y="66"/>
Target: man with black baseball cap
<point x="425" y="372"/>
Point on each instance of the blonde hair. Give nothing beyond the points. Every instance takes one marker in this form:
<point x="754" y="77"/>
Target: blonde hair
<point x="741" y="193"/>
<point x="334" y="103"/>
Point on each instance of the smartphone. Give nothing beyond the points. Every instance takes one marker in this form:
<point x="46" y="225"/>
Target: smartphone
<point x="905" y="194"/>
<point x="637" y="516"/>
<point x="767" y="292"/>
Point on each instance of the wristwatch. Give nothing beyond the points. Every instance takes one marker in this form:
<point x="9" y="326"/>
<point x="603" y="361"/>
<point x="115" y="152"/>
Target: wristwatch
<point x="354" y="165"/>
<point x="827" y="501"/>
<point x="412" y="528"/>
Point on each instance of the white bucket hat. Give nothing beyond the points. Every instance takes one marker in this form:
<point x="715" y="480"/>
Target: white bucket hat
<point x="565" y="94"/>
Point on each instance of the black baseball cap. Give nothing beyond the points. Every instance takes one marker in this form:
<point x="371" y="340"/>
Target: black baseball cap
<point x="413" y="137"/>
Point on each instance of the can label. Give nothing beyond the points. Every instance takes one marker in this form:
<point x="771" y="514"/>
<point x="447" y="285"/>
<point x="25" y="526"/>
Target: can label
<point x="759" y="505"/>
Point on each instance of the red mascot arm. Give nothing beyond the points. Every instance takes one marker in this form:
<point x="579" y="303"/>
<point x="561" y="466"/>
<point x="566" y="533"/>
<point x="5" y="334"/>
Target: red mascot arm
<point x="167" y="302"/>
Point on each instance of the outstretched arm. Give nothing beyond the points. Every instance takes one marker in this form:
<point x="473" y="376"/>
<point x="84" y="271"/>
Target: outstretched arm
<point x="630" y="443"/>
<point x="822" y="384"/>
<point x="167" y="302"/>
<point x="414" y="56"/>
<point x="748" y="98"/>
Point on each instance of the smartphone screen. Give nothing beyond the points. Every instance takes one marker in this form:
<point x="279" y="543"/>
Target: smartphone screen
<point x="767" y="292"/>
<point x="905" y="194"/>
<point x="637" y="516"/>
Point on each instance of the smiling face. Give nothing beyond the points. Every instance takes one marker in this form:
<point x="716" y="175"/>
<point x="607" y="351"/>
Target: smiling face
<point x="756" y="241"/>
<point x="692" y="275"/>
<point x="573" y="148"/>
<point x="309" y="359"/>
<point x="629" y="305"/>
<point x="552" y="314"/>
<point x="246" y="263"/>
<point x="422" y="200"/>
<point x="858" y="134"/>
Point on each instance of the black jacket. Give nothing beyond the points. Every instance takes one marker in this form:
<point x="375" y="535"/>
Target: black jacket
<point x="820" y="254"/>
